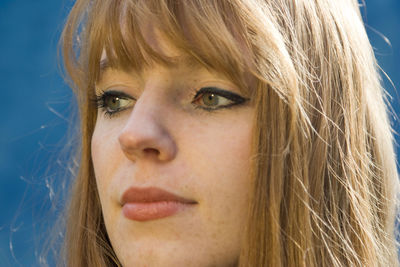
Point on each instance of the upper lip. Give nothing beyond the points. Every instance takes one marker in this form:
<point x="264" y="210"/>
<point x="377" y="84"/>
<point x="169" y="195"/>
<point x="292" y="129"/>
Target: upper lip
<point x="151" y="194"/>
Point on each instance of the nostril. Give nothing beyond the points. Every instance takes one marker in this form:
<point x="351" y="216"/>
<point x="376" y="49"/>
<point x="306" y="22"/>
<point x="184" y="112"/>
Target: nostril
<point x="151" y="151"/>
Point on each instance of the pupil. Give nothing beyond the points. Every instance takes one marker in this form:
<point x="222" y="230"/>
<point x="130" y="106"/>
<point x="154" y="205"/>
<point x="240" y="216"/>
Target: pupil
<point x="113" y="102"/>
<point x="210" y="99"/>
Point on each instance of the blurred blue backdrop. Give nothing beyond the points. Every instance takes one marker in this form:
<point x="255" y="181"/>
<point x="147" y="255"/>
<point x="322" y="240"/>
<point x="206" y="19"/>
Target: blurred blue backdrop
<point x="35" y="103"/>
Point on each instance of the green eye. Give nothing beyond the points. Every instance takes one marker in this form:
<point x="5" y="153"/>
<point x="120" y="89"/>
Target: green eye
<point x="115" y="103"/>
<point x="211" y="98"/>
<point x="112" y="102"/>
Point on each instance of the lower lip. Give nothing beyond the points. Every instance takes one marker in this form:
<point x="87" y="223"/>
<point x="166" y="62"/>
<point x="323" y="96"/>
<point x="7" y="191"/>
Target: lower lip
<point x="152" y="210"/>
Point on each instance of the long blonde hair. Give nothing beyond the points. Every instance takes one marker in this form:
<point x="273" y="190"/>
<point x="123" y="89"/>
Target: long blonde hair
<point x="325" y="177"/>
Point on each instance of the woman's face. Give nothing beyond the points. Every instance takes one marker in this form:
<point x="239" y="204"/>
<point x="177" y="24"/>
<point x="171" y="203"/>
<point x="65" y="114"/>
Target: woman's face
<point x="171" y="153"/>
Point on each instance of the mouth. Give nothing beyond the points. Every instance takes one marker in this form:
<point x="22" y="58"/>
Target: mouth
<point x="152" y="203"/>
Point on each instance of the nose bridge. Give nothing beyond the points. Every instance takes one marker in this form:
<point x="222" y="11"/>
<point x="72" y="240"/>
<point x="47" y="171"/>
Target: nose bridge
<point x="145" y="132"/>
<point x="148" y="107"/>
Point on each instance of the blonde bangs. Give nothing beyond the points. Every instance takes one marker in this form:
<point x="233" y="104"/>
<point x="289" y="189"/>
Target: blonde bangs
<point x="202" y="33"/>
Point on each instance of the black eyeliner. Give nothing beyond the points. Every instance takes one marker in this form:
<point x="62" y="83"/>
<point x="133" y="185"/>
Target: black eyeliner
<point x="237" y="99"/>
<point x="100" y="100"/>
<point x="116" y="93"/>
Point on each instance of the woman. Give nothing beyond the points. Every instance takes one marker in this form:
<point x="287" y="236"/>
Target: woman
<point x="228" y="133"/>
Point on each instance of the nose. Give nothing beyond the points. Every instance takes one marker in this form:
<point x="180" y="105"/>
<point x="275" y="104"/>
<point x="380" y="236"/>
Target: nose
<point x="145" y="134"/>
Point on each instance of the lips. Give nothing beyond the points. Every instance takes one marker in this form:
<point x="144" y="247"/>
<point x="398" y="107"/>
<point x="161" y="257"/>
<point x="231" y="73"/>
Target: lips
<point x="151" y="203"/>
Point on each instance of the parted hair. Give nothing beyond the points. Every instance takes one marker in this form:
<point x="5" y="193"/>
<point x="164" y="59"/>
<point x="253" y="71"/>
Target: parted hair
<point x="325" y="182"/>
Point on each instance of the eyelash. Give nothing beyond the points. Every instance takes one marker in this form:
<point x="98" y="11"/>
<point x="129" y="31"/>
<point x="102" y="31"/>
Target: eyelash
<point x="101" y="100"/>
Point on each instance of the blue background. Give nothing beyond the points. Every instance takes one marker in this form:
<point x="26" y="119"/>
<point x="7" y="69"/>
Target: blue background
<point x="35" y="105"/>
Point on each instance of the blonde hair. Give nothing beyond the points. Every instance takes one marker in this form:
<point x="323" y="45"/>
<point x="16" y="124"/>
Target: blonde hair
<point x="325" y="177"/>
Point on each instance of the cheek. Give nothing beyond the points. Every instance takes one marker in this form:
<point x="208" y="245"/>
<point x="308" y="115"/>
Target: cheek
<point x="99" y="160"/>
<point x="105" y="154"/>
<point x="221" y="159"/>
<point x="225" y="151"/>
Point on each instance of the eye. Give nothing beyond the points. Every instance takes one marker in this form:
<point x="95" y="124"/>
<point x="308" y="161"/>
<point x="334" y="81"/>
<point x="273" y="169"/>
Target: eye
<point x="112" y="102"/>
<point x="212" y="98"/>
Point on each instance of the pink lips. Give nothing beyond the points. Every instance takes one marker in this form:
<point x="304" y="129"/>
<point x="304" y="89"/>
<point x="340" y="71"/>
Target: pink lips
<point x="151" y="203"/>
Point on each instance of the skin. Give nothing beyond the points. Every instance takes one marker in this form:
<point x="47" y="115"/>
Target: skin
<point x="165" y="139"/>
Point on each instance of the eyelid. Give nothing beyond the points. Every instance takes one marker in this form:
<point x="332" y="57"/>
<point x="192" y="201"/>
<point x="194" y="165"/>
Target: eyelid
<point x="224" y="93"/>
<point x="114" y="84"/>
<point x="117" y="93"/>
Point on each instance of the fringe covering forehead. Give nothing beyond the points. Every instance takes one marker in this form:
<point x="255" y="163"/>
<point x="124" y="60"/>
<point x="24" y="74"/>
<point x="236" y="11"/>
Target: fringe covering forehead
<point x="212" y="35"/>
